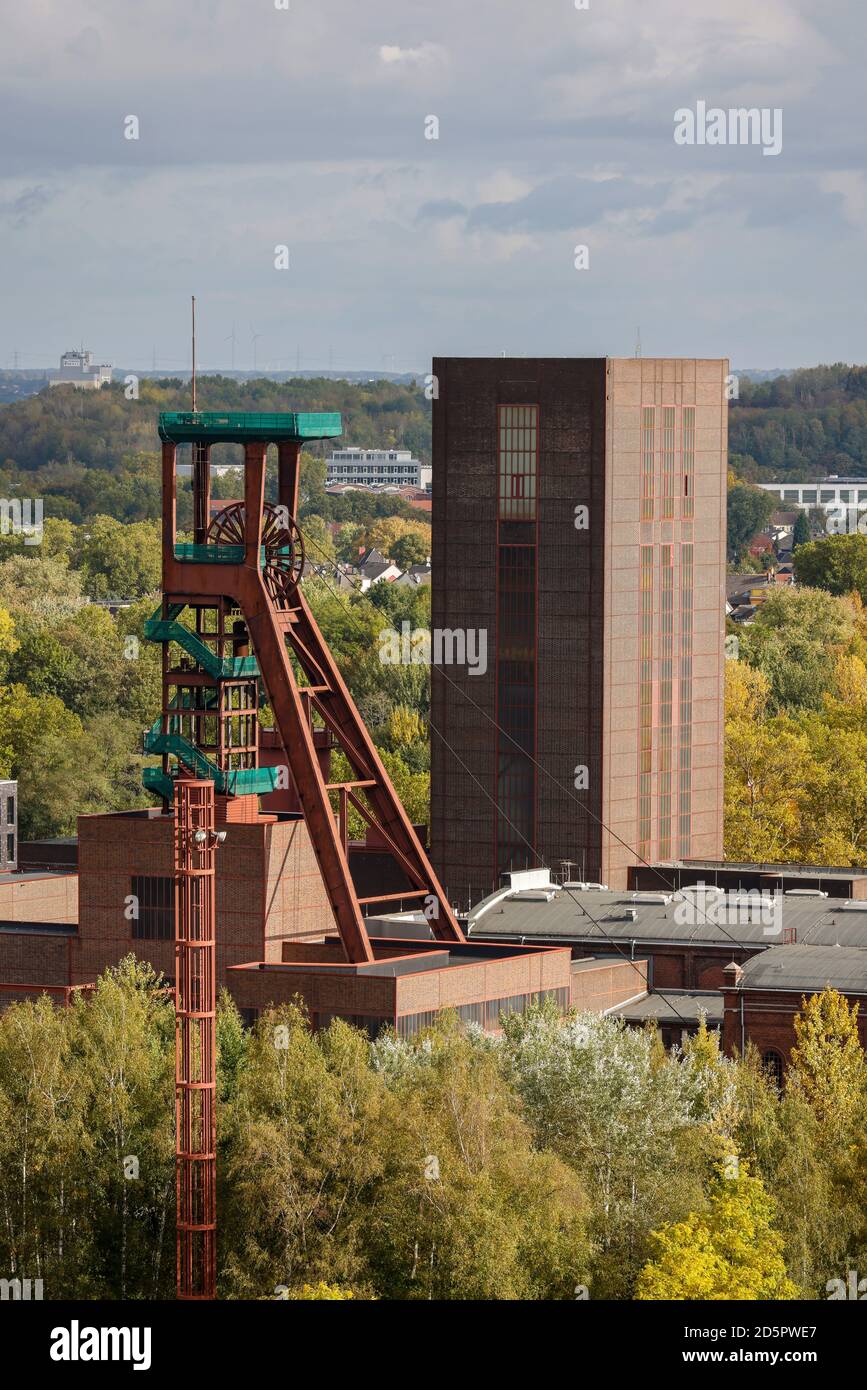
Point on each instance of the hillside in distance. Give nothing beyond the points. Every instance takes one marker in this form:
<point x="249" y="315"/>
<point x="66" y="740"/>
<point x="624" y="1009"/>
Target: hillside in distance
<point x="92" y="452"/>
<point x="801" y="426"/>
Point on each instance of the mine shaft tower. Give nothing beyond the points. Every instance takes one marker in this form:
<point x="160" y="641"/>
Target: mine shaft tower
<point x="250" y="634"/>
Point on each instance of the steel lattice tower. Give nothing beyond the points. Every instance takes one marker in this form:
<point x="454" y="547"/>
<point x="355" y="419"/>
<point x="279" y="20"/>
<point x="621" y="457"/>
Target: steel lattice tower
<point x="195" y="1038"/>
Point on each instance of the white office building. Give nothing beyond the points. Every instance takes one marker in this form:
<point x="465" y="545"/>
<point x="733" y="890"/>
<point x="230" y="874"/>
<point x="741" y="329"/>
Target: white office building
<point x="830" y="493"/>
<point x="77" y="368"/>
<point x="383" y="467"/>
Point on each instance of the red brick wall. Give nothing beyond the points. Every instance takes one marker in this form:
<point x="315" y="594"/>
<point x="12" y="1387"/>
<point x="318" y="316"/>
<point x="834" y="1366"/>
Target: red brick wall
<point x="34" y="958"/>
<point x="769" y="1019"/>
<point x="256" y="908"/>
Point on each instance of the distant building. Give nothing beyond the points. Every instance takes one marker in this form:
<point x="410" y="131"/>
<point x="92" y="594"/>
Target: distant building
<point x="77" y="368"/>
<point x="830" y="492"/>
<point x="370" y="466"/>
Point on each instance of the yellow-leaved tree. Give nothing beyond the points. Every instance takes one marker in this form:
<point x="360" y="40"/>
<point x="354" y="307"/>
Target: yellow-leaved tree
<point x="729" y="1252"/>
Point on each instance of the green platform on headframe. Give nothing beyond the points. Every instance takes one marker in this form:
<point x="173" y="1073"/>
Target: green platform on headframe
<point x="241" y="426"/>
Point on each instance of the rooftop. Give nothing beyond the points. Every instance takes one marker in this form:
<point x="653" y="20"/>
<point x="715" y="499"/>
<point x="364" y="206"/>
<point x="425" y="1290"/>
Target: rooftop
<point x="808" y="969"/>
<point x="595" y="918"/>
<point x="216" y="427"/>
<point x="674" y="1006"/>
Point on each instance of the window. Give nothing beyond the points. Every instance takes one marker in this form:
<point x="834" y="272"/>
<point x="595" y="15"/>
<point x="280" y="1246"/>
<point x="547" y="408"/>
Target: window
<point x="772" y="1062"/>
<point x="645" y="703"/>
<point x="668" y="454"/>
<point x="647" y="426"/>
<point x="685" y="712"/>
<point x="156" y="908"/>
<point x="518" y="448"/>
<point x="10" y="810"/>
<point x="666" y="672"/>
<point x="10" y="848"/>
<point x="688" y="459"/>
<point x="516" y="705"/>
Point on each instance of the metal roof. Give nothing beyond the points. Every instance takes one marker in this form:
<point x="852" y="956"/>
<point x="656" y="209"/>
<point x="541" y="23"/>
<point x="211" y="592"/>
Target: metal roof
<point x="594" y="917"/>
<point x="674" y="1006"/>
<point x="808" y="969"/>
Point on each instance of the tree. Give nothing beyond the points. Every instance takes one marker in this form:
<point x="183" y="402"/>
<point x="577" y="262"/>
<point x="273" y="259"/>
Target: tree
<point x="318" y="541"/>
<point x="86" y="1140"/>
<point x="119" y="561"/>
<point x="123" y="1045"/>
<point x="385" y="535"/>
<point x="835" y="563"/>
<point x="767" y="770"/>
<point x="467" y="1206"/>
<point x="9" y="643"/>
<point x="729" y="1252"/>
<point x="411" y="549"/>
<point x="599" y="1095"/>
<point x="801" y="532"/>
<point x="300" y="1149"/>
<point x="44" y="587"/>
<point x="827" y="1061"/>
<point x="795" y="632"/>
<point x="749" y="510"/>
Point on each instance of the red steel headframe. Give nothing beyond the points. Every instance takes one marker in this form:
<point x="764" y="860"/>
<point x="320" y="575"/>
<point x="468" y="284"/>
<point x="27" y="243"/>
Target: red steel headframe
<point x="322" y="691"/>
<point x="195" y="1038"/>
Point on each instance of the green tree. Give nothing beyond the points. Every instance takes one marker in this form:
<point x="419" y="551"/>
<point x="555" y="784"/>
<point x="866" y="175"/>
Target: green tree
<point x="835" y="563"/>
<point x="119" y="561"/>
<point x="468" y="1207"/>
<point x="749" y="510"/>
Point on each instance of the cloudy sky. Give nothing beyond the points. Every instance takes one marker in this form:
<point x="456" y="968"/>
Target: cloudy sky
<point x="306" y="127"/>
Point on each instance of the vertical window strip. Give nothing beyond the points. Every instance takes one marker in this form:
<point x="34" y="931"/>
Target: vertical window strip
<point x="668" y="454"/>
<point x="645" y="752"/>
<point x="647" y="460"/>
<point x="688" y="460"/>
<point x="687" y="590"/>
<point x="665" y="696"/>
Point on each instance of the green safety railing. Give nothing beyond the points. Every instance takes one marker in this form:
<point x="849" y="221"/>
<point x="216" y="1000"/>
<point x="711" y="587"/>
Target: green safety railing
<point x="226" y="426"/>
<point x="160" y="629"/>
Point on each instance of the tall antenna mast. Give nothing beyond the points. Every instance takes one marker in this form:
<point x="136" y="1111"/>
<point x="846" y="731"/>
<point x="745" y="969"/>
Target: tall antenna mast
<point x="194" y="353"/>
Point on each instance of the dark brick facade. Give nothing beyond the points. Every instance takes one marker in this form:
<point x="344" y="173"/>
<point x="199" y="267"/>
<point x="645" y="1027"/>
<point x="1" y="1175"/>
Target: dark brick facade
<point x="587" y="653"/>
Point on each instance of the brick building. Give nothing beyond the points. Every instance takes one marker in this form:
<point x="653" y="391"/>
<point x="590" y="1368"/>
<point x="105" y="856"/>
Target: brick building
<point x="762" y="997"/>
<point x="579" y="523"/>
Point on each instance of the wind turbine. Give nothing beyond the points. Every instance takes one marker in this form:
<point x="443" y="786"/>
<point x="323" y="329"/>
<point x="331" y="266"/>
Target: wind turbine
<point x="254" y="338"/>
<point x="230" y="338"/>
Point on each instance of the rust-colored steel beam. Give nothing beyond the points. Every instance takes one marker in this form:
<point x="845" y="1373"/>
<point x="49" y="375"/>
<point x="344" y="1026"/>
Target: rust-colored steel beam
<point x="195" y="1039"/>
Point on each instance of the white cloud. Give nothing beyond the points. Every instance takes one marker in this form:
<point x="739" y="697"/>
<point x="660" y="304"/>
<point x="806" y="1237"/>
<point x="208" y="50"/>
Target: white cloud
<point x="424" y="54"/>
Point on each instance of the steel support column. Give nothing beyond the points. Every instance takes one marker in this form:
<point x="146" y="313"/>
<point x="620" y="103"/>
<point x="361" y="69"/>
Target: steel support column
<point x="195" y="1039"/>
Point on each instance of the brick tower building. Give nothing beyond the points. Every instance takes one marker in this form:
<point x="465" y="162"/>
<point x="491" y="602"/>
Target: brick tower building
<point x="579" y="539"/>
